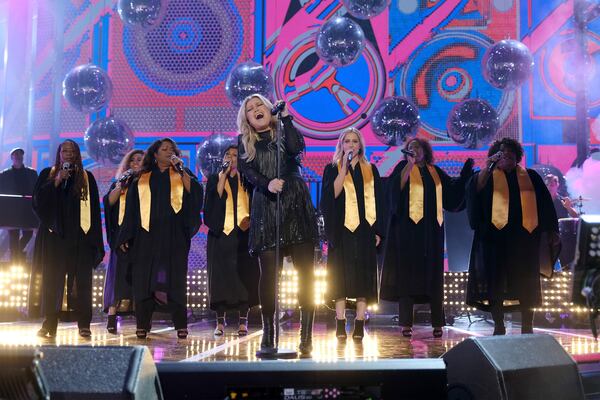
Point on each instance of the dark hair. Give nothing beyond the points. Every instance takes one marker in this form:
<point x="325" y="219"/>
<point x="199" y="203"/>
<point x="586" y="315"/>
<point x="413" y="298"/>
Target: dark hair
<point x="124" y="165"/>
<point x="425" y="145"/>
<point x="512" y="144"/>
<point x="78" y="188"/>
<point x="149" y="161"/>
<point x="233" y="146"/>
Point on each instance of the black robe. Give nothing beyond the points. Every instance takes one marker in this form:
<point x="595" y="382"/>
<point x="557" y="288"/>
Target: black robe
<point x="232" y="273"/>
<point x="298" y="217"/>
<point x="413" y="263"/>
<point x="117" y="284"/>
<point x="61" y="238"/>
<point x="352" y="256"/>
<point x="505" y="264"/>
<point x="160" y="256"/>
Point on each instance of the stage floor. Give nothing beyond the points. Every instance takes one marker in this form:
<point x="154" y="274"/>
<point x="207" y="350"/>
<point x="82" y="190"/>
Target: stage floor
<point x="382" y="340"/>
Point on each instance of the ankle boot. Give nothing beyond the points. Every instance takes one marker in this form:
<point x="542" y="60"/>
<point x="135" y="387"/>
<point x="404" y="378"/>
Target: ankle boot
<point x="111" y="324"/>
<point x="267" y="344"/>
<point x="307" y="318"/>
<point x="359" y="329"/>
<point x="340" y="329"/>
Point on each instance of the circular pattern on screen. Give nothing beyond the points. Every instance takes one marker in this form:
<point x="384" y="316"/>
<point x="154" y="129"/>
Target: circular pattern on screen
<point x="191" y="51"/>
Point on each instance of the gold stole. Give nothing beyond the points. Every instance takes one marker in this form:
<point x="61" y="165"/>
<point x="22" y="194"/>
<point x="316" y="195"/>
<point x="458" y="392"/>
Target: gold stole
<point x="500" y="200"/>
<point x="416" y="195"/>
<point x="243" y="209"/>
<point x="351" y="216"/>
<point x="145" y="195"/>
<point x="85" y="209"/>
<point x="122" y="203"/>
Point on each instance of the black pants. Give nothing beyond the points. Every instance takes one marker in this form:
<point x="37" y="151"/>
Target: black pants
<point x="498" y="314"/>
<point x="303" y="258"/>
<point x="406" y="315"/>
<point x="18" y="239"/>
<point x="79" y="294"/>
<point x="145" y="308"/>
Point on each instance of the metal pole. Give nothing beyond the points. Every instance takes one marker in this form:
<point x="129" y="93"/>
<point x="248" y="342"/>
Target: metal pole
<point x="582" y="128"/>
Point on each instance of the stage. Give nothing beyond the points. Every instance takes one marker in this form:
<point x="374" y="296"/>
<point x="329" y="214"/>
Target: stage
<point x="383" y="340"/>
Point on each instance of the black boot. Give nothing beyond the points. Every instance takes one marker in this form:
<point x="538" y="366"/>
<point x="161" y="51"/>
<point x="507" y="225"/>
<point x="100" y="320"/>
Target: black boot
<point x="359" y="329"/>
<point x="111" y="324"/>
<point x="267" y="344"/>
<point x="307" y="318"/>
<point x="526" y="322"/>
<point x="340" y="329"/>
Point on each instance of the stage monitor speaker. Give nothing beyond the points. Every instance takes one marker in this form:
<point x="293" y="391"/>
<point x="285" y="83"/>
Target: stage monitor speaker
<point x="77" y="372"/>
<point x="512" y="367"/>
<point x="377" y="379"/>
<point x="21" y="377"/>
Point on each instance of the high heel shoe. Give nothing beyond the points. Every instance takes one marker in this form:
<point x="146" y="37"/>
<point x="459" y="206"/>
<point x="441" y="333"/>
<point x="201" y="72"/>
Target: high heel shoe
<point x="340" y="329"/>
<point x="111" y="324"/>
<point x="407" y="331"/>
<point x="220" y="326"/>
<point x="141" y="333"/>
<point x="243" y="326"/>
<point x="438" y="332"/>
<point x="182" y="333"/>
<point x="359" y="329"/>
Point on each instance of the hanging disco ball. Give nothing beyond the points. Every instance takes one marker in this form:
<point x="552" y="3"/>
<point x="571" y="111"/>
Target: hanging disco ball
<point x="507" y="64"/>
<point x="472" y="123"/>
<point x="395" y="119"/>
<point x="365" y="9"/>
<point x="87" y="88"/>
<point x="340" y="42"/>
<point x="107" y="140"/>
<point x="142" y="13"/>
<point x="210" y="153"/>
<point x="247" y="79"/>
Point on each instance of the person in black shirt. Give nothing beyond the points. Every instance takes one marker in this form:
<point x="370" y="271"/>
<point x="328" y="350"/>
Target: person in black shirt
<point x="562" y="205"/>
<point x="18" y="180"/>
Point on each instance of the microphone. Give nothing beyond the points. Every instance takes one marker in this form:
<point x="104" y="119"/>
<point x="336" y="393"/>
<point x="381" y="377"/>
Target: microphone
<point x="277" y="108"/>
<point x="66" y="166"/>
<point x="225" y="166"/>
<point x="350" y="155"/>
<point x="126" y="175"/>
<point x="493" y="164"/>
<point x="408" y="152"/>
<point x="178" y="166"/>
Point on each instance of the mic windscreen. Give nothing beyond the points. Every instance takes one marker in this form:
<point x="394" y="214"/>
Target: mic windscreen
<point x="66" y="165"/>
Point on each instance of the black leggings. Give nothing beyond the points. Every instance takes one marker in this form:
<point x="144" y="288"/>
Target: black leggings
<point x="303" y="258"/>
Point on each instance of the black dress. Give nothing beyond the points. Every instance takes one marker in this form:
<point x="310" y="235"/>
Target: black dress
<point x="505" y="263"/>
<point x="117" y="286"/>
<point x="232" y="272"/>
<point x="413" y="269"/>
<point x="160" y="256"/>
<point x="351" y="257"/>
<point x="298" y="217"/>
<point x="62" y="247"/>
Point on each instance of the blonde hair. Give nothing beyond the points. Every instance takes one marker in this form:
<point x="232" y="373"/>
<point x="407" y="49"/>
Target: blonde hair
<point x="249" y="134"/>
<point x="339" y="147"/>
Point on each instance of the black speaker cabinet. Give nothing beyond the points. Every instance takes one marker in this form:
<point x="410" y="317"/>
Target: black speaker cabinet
<point x="512" y="367"/>
<point x="75" y="372"/>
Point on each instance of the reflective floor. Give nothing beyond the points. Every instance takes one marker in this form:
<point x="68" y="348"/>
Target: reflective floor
<point x="382" y="341"/>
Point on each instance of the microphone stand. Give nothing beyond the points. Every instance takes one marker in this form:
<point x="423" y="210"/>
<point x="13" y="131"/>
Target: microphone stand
<point x="279" y="353"/>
